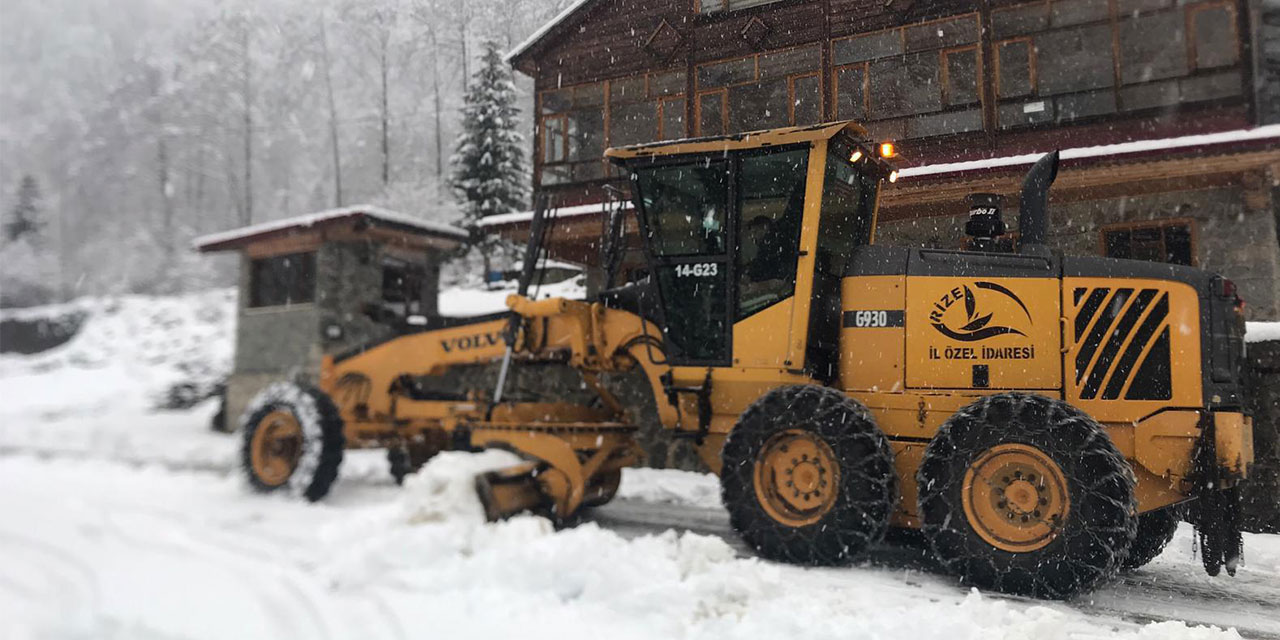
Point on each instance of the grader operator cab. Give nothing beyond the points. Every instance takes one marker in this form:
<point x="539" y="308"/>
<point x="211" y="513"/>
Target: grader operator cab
<point x="1040" y="418"/>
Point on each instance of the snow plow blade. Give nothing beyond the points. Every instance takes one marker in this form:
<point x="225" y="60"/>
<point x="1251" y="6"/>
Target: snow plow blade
<point x="507" y="492"/>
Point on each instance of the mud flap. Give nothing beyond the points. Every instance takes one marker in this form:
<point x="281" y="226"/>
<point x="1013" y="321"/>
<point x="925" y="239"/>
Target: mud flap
<point x="1216" y="511"/>
<point x="1217" y="517"/>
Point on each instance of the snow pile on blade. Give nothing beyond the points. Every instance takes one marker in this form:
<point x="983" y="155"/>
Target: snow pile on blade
<point x="446" y="489"/>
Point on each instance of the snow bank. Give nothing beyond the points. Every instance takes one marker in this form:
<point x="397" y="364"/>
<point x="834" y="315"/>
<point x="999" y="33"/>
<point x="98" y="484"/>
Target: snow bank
<point x="522" y="578"/>
<point x="671" y="486"/>
<point x="462" y="301"/>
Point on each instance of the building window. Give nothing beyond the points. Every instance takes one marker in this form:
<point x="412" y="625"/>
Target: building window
<point x="905" y="85"/>
<point x="1164" y="241"/>
<point x="760" y="92"/>
<point x="851" y="92"/>
<point x="1152" y="47"/>
<point x="1015" y="68"/>
<point x="403" y="287"/>
<point x="926" y="77"/>
<point x="555" y="141"/>
<point x="1081" y="60"/>
<point x="1214" y="39"/>
<point x="671" y="118"/>
<point x="806" y="100"/>
<point x="960" y="76"/>
<point x="282" y="280"/>
<point x="577" y="123"/>
<point x="716" y="6"/>
<point x="573" y="133"/>
<point x="711" y="113"/>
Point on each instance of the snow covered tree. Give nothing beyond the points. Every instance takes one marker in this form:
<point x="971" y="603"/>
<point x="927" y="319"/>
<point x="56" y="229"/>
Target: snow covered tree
<point x="488" y="172"/>
<point x="24" y="218"/>
<point x="30" y="274"/>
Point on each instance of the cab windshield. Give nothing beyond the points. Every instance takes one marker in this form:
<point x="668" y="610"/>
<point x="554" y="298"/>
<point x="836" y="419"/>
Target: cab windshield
<point x="684" y="206"/>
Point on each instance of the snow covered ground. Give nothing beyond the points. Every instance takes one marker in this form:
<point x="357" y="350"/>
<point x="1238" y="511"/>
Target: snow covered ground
<point x="126" y="522"/>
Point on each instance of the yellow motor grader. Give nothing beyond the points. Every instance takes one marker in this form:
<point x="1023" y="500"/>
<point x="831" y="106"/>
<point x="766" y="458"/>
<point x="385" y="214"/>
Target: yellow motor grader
<point x="1040" y="418"/>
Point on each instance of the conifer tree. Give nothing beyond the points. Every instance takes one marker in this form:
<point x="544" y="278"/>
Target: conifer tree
<point x="488" y="165"/>
<point x="24" y="218"/>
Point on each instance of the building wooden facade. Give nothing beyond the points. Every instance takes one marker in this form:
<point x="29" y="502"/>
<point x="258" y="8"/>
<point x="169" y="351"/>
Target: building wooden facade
<point x="965" y="87"/>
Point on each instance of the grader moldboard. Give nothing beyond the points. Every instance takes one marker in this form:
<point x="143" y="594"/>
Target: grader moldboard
<point x="1042" y="419"/>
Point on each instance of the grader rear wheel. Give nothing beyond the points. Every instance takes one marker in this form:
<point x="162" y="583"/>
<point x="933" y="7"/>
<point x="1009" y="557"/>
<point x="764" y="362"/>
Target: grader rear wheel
<point x="1016" y="497"/>
<point x="808" y="477"/>
<point x="292" y="441"/>
<point x="1155" y="530"/>
<point x="1027" y="495"/>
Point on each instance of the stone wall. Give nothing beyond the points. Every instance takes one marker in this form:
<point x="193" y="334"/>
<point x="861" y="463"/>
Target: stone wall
<point x="1232" y="236"/>
<point x="1262" y="493"/>
<point x="273" y="339"/>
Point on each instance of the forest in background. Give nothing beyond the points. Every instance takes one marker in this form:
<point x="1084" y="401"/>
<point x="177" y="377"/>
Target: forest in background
<point x="145" y="123"/>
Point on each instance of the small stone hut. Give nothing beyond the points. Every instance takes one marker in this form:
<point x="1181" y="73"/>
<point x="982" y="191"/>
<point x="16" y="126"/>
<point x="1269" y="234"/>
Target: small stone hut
<point x="323" y="283"/>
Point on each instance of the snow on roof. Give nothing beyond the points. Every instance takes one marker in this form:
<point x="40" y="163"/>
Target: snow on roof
<point x="1137" y="146"/>
<point x="310" y="219"/>
<point x="544" y="29"/>
<point x="562" y="212"/>
<point x="1262" y="331"/>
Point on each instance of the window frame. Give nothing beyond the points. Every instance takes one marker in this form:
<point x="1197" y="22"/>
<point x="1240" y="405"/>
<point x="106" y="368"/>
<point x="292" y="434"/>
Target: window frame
<point x="563" y="117"/>
<point x="723" y="92"/>
<point x="944" y="75"/>
<point x="252" y="299"/>
<point x="1193" y="233"/>
<point x="1032" y="67"/>
<point x="662" y="116"/>
<point x="567" y="163"/>
<point x="1192" y="12"/>
<point x="866" y="89"/>
<point x="755" y="59"/>
<point x="942" y="51"/>
<point x="791" y="95"/>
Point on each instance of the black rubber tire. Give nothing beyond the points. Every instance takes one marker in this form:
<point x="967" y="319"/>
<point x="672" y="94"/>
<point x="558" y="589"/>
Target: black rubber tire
<point x="1155" y="530"/>
<point x="407" y="458"/>
<point x="398" y="463"/>
<point x="322" y="441"/>
<point x="603" y="490"/>
<point x="868" y="482"/>
<point x="1101" y="522"/>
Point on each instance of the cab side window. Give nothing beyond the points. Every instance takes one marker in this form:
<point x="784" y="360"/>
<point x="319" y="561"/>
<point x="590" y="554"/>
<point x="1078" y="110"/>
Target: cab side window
<point x="848" y="202"/>
<point x="771" y="210"/>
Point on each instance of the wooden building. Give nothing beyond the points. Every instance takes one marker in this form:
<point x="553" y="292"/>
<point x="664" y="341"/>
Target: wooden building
<point x="1163" y="108"/>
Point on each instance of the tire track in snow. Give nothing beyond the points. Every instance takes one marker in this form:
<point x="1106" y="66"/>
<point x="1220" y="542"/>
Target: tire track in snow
<point x="71" y="578"/>
<point x="276" y="587"/>
<point x="226" y="540"/>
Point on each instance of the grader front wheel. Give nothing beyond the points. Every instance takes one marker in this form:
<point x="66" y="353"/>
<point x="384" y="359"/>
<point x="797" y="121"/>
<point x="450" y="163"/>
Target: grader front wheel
<point x="292" y="440"/>
<point x="808" y="477"/>
<point x="274" y="447"/>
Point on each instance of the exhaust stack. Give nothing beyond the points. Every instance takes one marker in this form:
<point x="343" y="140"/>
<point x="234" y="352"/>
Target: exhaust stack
<point x="1033" y="205"/>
